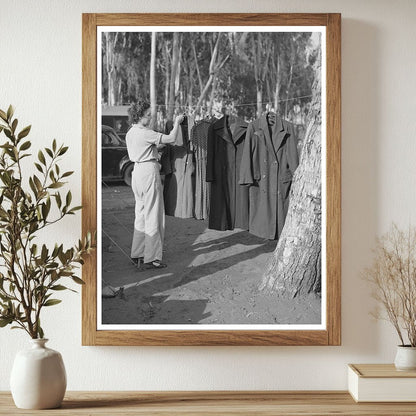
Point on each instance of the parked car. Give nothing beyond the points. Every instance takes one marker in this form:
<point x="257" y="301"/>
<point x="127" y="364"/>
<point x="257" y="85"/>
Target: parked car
<point x="115" y="163"/>
<point x="116" y="116"/>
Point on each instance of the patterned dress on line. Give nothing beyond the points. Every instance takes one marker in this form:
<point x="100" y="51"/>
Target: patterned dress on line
<point x="179" y="187"/>
<point x="199" y="139"/>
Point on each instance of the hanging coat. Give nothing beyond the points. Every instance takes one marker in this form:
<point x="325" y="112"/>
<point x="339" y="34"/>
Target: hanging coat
<point x="228" y="200"/>
<point x="269" y="160"/>
<point x="178" y="189"/>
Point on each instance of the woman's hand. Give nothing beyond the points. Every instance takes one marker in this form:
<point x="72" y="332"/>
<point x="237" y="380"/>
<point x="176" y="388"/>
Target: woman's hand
<point x="171" y="137"/>
<point x="179" y="119"/>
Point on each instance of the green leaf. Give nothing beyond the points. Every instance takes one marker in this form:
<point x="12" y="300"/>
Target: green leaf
<point x="25" y="145"/>
<point x="8" y="133"/>
<point x="51" y="302"/>
<point x="67" y="174"/>
<point x="62" y="257"/>
<point x="41" y="157"/>
<point x="68" y="199"/>
<point x="44" y="253"/>
<point x="45" y="211"/>
<point x="14" y="125"/>
<point x="37" y="183"/>
<point x="33" y="187"/>
<point x="77" y="208"/>
<point x="3" y="115"/>
<point x="39" y="167"/>
<point x="56" y="185"/>
<point x="34" y="249"/>
<point x="49" y="151"/>
<point x="58" y="199"/>
<point x="76" y="279"/>
<point x="59" y="287"/>
<point x="10" y="112"/>
<point x="40" y="332"/>
<point x="5" y="321"/>
<point x="63" y="150"/>
<point x="54" y="145"/>
<point x="24" y="132"/>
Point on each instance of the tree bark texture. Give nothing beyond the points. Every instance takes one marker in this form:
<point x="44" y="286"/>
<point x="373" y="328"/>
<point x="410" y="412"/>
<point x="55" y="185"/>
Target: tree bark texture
<point x="295" y="266"/>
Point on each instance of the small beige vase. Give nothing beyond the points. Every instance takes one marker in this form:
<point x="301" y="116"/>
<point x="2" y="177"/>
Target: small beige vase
<point x="38" y="377"/>
<point x="405" y="358"/>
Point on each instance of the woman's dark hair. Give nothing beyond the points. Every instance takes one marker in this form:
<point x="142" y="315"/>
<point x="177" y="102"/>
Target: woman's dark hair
<point x="137" y="110"/>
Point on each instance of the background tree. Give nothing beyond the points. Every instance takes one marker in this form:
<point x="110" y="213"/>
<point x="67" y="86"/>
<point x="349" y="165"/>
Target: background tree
<point x="153" y="81"/>
<point x="173" y="72"/>
<point x="248" y="73"/>
<point x="295" y="266"/>
<point x="261" y="48"/>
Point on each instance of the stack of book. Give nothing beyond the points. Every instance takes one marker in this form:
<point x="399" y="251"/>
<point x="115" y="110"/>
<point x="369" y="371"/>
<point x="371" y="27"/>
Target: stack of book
<point x="381" y="383"/>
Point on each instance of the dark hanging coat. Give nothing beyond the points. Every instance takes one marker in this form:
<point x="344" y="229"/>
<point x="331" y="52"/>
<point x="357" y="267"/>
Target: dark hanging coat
<point x="268" y="164"/>
<point x="228" y="200"/>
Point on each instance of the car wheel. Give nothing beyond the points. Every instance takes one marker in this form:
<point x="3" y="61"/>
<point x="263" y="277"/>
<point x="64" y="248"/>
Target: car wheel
<point x="127" y="174"/>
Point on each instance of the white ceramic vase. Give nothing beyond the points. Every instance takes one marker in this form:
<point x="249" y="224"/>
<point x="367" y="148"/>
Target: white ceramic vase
<point x="405" y="358"/>
<point x="38" y="377"/>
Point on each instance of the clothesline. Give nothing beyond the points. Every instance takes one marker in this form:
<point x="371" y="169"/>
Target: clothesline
<point x="240" y="105"/>
<point x="237" y="105"/>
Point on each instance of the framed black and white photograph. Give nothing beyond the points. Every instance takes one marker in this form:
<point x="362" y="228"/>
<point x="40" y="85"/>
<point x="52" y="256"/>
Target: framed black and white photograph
<point x="211" y="173"/>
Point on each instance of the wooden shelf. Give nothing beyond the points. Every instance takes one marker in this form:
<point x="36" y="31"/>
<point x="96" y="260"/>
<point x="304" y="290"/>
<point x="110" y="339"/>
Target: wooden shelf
<point x="318" y="403"/>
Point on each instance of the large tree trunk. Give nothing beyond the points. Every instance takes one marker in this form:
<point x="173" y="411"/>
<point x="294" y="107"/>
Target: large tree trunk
<point x="295" y="266"/>
<point x="174" y="68"/>
<point x="153" y="82"/>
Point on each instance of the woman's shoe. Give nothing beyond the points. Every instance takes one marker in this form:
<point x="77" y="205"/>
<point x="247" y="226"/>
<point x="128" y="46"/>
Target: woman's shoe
<point x="155" y="264"/>
<point x="137" y="261"/>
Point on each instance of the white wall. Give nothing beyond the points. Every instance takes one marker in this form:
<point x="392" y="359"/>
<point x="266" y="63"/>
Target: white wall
<point x="40" y="73"/>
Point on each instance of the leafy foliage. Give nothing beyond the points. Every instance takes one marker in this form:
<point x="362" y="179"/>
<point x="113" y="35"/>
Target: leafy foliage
<point x="30" y="274"/>
<point x="278" y="66"/>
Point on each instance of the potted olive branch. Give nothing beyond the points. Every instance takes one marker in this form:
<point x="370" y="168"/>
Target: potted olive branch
<point x="31" y="272"/>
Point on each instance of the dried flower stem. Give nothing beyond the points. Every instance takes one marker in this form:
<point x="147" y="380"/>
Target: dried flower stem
<point x="393" y="276"/>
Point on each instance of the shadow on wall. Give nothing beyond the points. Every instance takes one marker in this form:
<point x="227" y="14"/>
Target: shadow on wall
<point x="361" y="60"/>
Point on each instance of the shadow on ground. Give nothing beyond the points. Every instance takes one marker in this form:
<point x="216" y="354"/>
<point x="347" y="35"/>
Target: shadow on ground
<point x="212" y="277"/>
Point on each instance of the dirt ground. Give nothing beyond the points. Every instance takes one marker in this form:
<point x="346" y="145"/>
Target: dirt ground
<point x="212" y="276"/>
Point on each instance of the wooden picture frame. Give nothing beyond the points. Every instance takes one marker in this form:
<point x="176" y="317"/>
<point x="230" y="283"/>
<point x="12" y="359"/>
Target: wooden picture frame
<point x="331" y="334"/>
